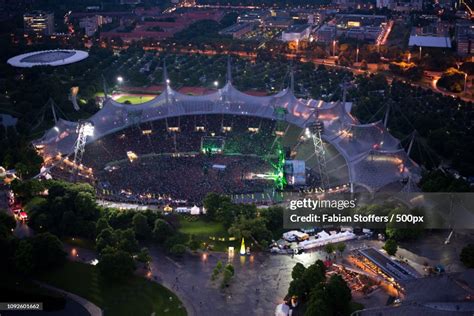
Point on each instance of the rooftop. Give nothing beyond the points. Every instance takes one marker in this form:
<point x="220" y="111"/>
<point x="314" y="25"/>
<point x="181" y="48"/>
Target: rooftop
<point x="430" y="41"/>
<point x="297" y="28"/>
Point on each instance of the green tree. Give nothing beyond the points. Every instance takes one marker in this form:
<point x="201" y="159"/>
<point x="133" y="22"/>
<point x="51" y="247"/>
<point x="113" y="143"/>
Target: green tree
<point x="105" y="238"/>
<point x="230" y="267"/>
<point x="317" y="307"/>
<point x="329" y="249"/>
<point x="178" y="250"/>
<point x="27" y="189"/>
<point x="126" y="240"/>
<point x="213" y="202"/>
<point x="23" y="258"/>
<point x="68" y="223"/>
<point x="251" y="228"/>
<point x="341" y="247"/>
<point x="404" y="231"/>
<point x="329" y="298"/>
<point x="193" y="242"/>
<point x="162" y="230"/>
<point x="144" y="256"/>
<point x="339" y="295"/>
<point x="215" y="273"/>
<point x="314" y="274"/>
<point x="227" y="275"/>
<point x="141" y="227"/>
<point x="297" y="288"/>
<point x="102" y="224"/>
<point x="305" y="279"/>
<point x="391" y="247"/>
<point x="47" y="251"/>
<point x="273" y="217"/>
<point x="452" y="80"/>
<point x="116" y="265"/>
<point x="298" y="271"/>
<point x="85" y="205"/>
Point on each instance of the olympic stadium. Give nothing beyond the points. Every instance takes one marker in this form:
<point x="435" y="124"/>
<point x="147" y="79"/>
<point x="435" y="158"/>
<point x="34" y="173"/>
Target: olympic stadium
<point x="58" y="57"/>
<point x="180" y="147"/>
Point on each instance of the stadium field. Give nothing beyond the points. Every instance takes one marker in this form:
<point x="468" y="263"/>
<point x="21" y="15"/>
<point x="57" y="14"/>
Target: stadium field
<point x="134" y="99"/>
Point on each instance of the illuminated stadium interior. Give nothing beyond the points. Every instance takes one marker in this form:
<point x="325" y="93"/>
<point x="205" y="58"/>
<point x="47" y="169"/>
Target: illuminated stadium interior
<point x="187" y="145"/>
<point x="58" y="57"/>
<point x="47" y="57"/>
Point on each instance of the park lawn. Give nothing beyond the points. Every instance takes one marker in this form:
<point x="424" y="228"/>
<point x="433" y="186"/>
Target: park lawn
<point x="135" y="296"/>
<point x="204" y="229"/>
<point x="201" y="227"/>
<point x="134" y="99"/>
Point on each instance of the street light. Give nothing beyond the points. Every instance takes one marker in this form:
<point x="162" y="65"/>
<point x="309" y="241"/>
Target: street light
<point x="87" y="128"/>
<point x="465" y="82"/>
<point x="409" y="57"/>
<point x="334" y="48"/>
<point x="119" y="79"/>
<point x="357" y="55"/>
<point x="216" y="83"/>
<point x="419" y="57"/>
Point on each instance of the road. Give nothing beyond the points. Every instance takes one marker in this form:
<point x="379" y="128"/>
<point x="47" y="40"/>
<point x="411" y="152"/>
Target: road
<point x="261" y="280"/>
<point x="260" y="283"/>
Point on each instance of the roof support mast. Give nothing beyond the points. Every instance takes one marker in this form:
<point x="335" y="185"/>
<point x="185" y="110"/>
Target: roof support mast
<point x="166" y="81"/>
<point x="411" y="143"/>
<point x="84" y="129"/>
<point x="316" y="130"/>
<point x="53" y="110"/>
<point x="387" y="114"/>
<point x="229" y="71"/>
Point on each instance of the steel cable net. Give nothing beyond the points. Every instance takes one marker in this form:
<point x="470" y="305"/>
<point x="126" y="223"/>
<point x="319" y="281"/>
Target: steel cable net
<point x="59" y="140"/>
<point x="357" y="140"/>
<point x="352" y="141"/>
<point x="380" y="168"/>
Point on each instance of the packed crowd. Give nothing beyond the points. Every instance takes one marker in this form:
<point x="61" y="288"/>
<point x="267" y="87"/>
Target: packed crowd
<point x="186" y="179"/>
<point x="169" y="165"/>
<point x="243" y="135"/>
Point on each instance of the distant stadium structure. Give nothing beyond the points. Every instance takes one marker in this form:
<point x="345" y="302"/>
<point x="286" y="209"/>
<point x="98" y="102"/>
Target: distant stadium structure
<point x="58" y="57"/>
<point x="178" y="138"/>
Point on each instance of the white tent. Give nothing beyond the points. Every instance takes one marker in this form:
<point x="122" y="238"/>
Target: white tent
<point x="282" y="310"/>
<point x="195" y="210"/>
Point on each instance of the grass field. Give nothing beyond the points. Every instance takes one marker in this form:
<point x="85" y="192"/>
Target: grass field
<point x="135" y="296"/>
<point x="134" y="99"/>
<point x="204" y="229"/>
<point x="201" y="227"/>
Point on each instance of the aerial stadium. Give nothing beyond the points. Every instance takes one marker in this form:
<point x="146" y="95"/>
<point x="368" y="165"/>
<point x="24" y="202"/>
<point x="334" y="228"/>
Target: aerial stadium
<point x="57" y="57"/>
<point x="179" y="147"/>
